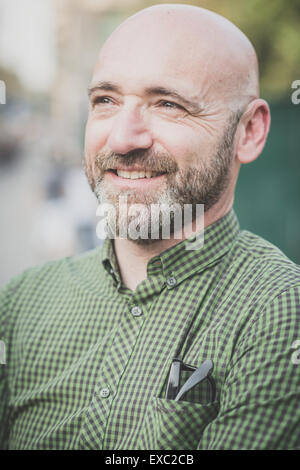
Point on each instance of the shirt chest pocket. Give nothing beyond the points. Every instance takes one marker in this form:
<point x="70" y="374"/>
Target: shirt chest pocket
<point x="175" y="425"/>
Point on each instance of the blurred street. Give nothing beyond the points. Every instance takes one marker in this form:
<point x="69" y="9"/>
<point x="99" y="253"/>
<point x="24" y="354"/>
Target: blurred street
<point x="45" y="214"/>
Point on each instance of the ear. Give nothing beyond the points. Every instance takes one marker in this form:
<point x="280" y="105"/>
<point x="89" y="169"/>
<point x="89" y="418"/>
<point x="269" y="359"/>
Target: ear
<point x="253" y="131"/>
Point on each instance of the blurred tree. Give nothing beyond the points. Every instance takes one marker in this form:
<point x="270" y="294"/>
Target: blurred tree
<point x="273" y="28"/>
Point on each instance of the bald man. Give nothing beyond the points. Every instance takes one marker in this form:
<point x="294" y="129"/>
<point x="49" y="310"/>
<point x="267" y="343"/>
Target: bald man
<point x="184" y="341"/>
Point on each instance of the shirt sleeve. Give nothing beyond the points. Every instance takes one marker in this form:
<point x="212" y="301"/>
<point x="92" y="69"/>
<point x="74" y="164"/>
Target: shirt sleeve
<point x="8" y="300"/>
<point x="260" y="396"/>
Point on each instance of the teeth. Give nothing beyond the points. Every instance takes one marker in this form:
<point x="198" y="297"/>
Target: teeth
<point x="136" y="174"/>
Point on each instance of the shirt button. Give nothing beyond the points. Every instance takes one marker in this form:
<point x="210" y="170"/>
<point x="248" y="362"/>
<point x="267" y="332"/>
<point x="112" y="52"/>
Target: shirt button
<point x="136" y="311"/>
<point x="171" y="281"/>
<point x="104" y="392"/>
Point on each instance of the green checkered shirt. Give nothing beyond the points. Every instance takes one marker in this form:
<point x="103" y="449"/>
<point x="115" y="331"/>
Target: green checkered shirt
<point x="87" y="359"/>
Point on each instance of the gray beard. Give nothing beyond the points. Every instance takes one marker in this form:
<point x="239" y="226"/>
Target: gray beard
<point x="149" y="228"/>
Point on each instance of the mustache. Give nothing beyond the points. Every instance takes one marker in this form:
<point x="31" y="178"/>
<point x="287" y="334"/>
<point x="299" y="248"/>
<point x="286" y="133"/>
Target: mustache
<point x="148" y="159"/>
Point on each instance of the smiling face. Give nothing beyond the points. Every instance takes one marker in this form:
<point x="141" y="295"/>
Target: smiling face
<point x="162" y="114"/>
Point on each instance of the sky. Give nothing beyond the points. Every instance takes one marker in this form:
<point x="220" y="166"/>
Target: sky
<point x="27" y="41"/>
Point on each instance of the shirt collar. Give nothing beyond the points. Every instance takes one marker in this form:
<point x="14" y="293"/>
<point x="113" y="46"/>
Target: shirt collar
<point x="177" y="263"/>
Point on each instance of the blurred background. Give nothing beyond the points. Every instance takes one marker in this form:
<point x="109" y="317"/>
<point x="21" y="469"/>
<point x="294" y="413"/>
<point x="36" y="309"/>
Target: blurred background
<point x="47" y="53"/>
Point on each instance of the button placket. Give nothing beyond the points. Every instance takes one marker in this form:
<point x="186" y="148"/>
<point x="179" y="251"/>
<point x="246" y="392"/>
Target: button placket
<point x="136" y="311"/>
<point x="104" y="392"/>
<point x="171" y="281"/>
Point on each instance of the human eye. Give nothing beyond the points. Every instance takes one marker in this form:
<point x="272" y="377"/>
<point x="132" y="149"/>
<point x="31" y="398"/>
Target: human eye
<point x="170" y="105"/>
<point x="101" y="101"/>
<point x="171" y="109"/>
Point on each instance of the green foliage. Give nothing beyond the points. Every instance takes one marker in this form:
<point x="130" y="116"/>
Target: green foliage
<point x="273" y="26"/>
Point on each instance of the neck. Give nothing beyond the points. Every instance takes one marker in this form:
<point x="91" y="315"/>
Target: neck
<point x="133" y="257"/>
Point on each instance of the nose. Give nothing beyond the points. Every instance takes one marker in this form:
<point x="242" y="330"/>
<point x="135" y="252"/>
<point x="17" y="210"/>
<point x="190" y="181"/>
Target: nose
<point x="129" y="132"/>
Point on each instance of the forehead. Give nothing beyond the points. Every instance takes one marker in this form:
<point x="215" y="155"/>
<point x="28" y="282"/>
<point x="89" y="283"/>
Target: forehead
<point x="136" y="60"/>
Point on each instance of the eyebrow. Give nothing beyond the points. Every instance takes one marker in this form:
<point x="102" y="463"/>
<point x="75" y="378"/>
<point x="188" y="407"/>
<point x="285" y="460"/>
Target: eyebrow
<point x="193" y="106"/>
<point x="106" y="86"/>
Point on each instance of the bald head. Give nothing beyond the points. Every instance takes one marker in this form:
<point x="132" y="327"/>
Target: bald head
<point x="192" y="42"/>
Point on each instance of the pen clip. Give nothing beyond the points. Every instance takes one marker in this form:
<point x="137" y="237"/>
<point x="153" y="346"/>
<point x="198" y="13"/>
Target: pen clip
<point x="201" y="373"/>
<point x="174" y="378"/>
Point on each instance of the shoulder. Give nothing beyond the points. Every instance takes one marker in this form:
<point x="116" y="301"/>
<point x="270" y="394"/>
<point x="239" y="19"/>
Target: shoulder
<point x="67" y="274"/>
<point x="268" y="266"/>
<point x="52" y="269"/>
<point x="267" y="284"/>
